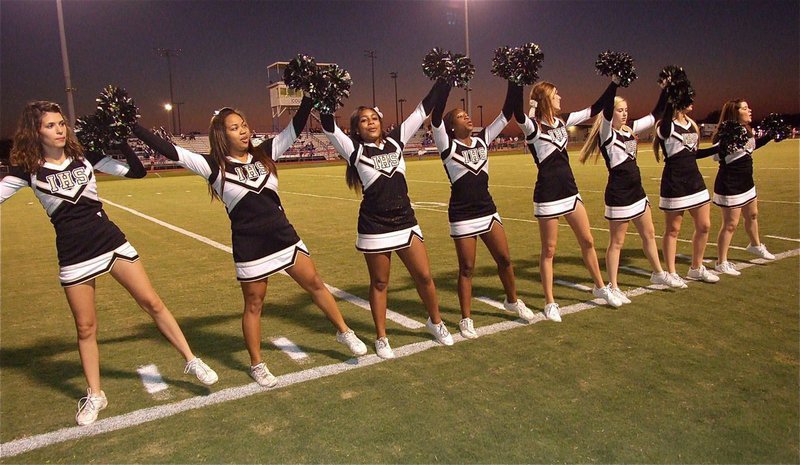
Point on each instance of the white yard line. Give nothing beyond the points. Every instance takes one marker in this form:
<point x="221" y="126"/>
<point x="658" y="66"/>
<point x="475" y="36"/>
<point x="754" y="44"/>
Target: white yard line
<point x="151" y="378"/>
<point x="402" y="320"/>
<point x="634" y="270"/>
<point x="138" y="417"/>
<point x="572" y="285"/>
<point x="783" y="238"/>
<point x="290" y="348"/>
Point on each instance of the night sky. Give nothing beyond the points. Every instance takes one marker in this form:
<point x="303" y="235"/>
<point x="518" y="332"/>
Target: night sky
<point x="730" y="49"/>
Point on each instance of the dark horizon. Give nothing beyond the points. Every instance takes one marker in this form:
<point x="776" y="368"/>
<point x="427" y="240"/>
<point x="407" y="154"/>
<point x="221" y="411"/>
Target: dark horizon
<point x="730" y="49"/>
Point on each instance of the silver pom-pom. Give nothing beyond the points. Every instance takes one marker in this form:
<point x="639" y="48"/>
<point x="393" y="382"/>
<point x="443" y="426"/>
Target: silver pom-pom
<point x="300" y="72"/>
<point x="776" y="127"/>
<point x="616" y="64"/>
<point x="732" y="136"/>
<point x="117" y="114"/>
<point x="329" y="88"/>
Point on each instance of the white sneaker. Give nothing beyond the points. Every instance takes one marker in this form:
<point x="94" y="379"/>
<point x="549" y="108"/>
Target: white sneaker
<point x="383" y="349"/>
<point x="440" y="332"/>
<point x="263" y="377"/>
<point x="467" y="328"/>
<point x="352" y="342"/>
<point x="677" y="279"/>
<point x="761" y="251"/>
<point x="702" y="274"/>
<point x="89" y="407"/>
<point x="519" y="308"/>
<point x="552" y="312"/>
<point x="727" y="267"/>
<point x="666" y="279"/>
<point x="607" y="294"/>
<point x="620" y="295"/>
<point x="198" y="368"/>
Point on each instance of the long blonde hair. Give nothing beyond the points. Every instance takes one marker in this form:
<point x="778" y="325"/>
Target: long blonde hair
<point x="657" y="141"/>
<point x="27" y="149"/>
<point x="591" y="148"/>
<point x="541" y="93"/>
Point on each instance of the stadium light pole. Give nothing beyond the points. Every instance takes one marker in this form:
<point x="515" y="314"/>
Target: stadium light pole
<point x="168" y="107"/>
<point x="168" y="53"/>
<point x="464" y="105"/>
<point x="65" y="62"/>
<point x="371" y="55"/>
<point x="178" y="111"/>
<point x="480" y="107"/>
<point x="468" y="105"/>
<point x="402" y="100"/>
<point x="393" y="75"/>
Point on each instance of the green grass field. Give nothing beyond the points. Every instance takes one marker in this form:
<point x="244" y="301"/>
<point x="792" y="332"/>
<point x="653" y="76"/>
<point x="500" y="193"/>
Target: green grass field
<point x="708" y="374"/>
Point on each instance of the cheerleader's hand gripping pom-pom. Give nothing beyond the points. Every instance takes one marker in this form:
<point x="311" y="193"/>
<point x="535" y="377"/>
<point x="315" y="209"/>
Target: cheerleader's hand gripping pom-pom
<point x="117" y="113"/>
<point x="526" y="63"/>
<point x="680" y="93"/>
<point x="776" y="127"/>
<point x="299" y="73"/>
<point x="438" y="64"/>
<point x="330" y="87"/>
<point x="618" y="65"/>
<point x="732" y="136"/>
<point x="502" y="62"/>
<point x="463" y="71"/>
<point x="91" y="134"/>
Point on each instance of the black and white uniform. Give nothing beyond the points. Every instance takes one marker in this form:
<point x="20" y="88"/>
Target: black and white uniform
<point x="471" y="210"/>
<point x="734" y="186"/>
<point x="682" y="185"/>
<point x="87" y="242"/>
<point x="625" y="198"/>
<point x="386" y="221"/>
<point x="556" y="193"/>
<point x="264" y="242"/>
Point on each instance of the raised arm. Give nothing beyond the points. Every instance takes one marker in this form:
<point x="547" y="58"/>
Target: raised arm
<point x="577" y="117"/>
<point x="343" y="144"/>
<point x="513" y="97"/>
<point x="133" y="169"/>
<point x="646" y="122"/>
<point x="440" y="136"/>
<point x="281" y="143"/>
<point x="422" y="111"/>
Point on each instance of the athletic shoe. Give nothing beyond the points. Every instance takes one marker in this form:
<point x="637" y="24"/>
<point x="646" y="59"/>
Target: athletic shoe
<point x="761" y="251"/>
<point x="520" y="309"/>
<point x="552" y="312"/>
<point x="440" y="332"/>
<point x="383" y="349"/>
<point x="467" y="328"/>
<point x="352" y="342"/>
<point x="89" y="407"/>
<point x="263" y="377"/>
<point x="620" y="295"/>
<point x="198" y="368"/>
<point x="677" y="279"/>
<point x="727" y="267"/>
<point x="702" y="274"/>
<point x="666" y="279"/>
<point x="607" y="294"/>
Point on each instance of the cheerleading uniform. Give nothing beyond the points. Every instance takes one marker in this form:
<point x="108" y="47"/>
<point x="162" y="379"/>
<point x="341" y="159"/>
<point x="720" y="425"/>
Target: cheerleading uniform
<point x="682" y="185"/>
<point x="734" y="186"/>
<point x="87" y="242"/>
<point x="625" y="198"/>
<point x="471" y="210"/>
<point x="264" y="242"/>
<point x="386" y="221"/>
<point x="556" y="193"/>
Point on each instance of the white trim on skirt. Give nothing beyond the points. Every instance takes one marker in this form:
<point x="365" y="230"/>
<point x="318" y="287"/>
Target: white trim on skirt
<point x="628" y="212"/>
<point x="79" y="273"/>
<point x="387" y="242"/>
<point x="735" y="201"/>
<point x="475" y="226"/>
<point x="686" y="202"/>
<point x="264" y="267"/>
<point x="556" y="207"/>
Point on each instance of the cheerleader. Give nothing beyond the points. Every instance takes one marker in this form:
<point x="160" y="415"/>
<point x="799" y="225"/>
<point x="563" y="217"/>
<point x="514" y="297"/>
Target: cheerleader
<point x="682" y="188"/>
<point x="386" y="221"/>
<point x="471" y="211"/>
<point x="48" y="158"/>
<point x="244" y="178"/>
<point x="556" y="193"/>
<point x="734" y="189"/>
<point x="625" y="198"/>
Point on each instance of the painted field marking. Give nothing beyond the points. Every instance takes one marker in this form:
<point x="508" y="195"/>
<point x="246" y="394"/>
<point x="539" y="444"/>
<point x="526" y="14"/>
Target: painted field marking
<point x="577" y="286"/>
<point x="491" y="302"/>
<point x="688" y="258"/>
<point x="290" y="348"/>
<point x="146" y="415"/>
<point x="634" y="270"/>
<point x="151" y="378"/>
<point x="396" y="317"/>
<point x="402" y="320"/>
<point x="783" y="238"/>
<point x="537" y="316"/>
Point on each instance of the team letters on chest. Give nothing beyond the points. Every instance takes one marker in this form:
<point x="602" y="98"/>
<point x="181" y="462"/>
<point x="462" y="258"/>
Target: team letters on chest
<point x="250" y="171"/>
<point x="67" y="180"/>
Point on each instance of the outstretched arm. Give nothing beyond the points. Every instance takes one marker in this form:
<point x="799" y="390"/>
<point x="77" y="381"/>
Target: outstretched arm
<point x="343" y="144"/>
<point x="133" y="169"/>
<point x="155" y="142"/>
<point x="422" y="111"/>
<point x="283" y="141"/>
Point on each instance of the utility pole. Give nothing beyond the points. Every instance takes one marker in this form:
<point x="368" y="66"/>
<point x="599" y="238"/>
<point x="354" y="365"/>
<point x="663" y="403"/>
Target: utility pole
<point x="371" y="55"/>
<point x="393" y="75"/>
<point x="168" y="53"/>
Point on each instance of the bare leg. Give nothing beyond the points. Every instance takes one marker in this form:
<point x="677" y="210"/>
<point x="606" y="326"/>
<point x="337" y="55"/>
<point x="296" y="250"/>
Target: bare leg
<point x="415" y="258"/>
<point x="579" y="222"/>
<point x="702" y="225"/>
<point x="305" y="274"/>
<point x="548" y="231"/>
<point x="133" y="278"/>
<point x="644" y="224"/>
<point x="751" y="222"/>
<point x="730" y="220"/>
<point x="616" y="240"/>
<point x="254" y="293"/>
<point x="497" y="243"/>
<point x="465" y="251"/>
<point x="81" y="302"/>
<point x="669" y="245"/>
<point x="379" y="265"/>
